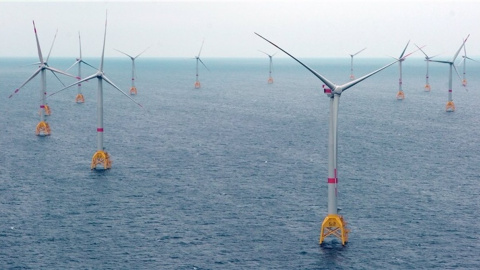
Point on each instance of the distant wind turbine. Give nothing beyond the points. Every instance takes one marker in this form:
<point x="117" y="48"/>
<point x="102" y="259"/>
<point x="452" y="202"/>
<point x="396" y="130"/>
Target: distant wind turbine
<point x="427" y="59"/>
<point x="464" y="60"/>
<point x="43" y="128"/>
<point x="352" y="77"/>
<point x="133" y="89"/>
<point x="401" y="94"/>
<point x="333" y="224"/>
<point x="270" y="79"/>
<point x="450" y="107"/>
<point x="101" y="157"/>
<point x="80" y="98"/>
<point x="197" y="82"/>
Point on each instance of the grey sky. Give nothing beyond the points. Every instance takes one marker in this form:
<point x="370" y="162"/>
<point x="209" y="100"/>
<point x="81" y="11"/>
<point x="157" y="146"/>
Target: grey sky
<point x="321" y="28"/>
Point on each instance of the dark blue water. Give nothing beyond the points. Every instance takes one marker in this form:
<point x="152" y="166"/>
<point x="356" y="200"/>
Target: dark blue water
<point x="233" y="176"/>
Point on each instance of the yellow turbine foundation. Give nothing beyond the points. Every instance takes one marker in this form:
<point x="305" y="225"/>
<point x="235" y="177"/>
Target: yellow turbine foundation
<point x="334" y="225"/>
<point x="42" y="129"/>
<point x="464" y="82"/>
<point x="197" y="84"/>
<point x="427" y="87"/>
<point x="79" y="98"/>
<point x="450" y="107"/>
<point x="270" y="80"/>
<point x="133" y="90"/>
<point x="352" y="77"/>
<point x="400" y="95"/>
<point x="47" y="110"/>
<point x="101" y="158"/>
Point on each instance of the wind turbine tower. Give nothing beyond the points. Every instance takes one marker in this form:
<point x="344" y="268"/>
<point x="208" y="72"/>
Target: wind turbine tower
<point x="101" y="159"/>
<point x="352" y="77"/>
<point x="43" y="128"/>
<point x="197" y="82"/>
<point x="427" y="59"/>
<point x="400" y="93"/>
<point x="464" y="60"/>
<point x="450" y="107"/>
<point x="79" y="98"/>
<point x="270" y="79"/>
<point x="133" y="89"/>
<point x="333" y="224"/>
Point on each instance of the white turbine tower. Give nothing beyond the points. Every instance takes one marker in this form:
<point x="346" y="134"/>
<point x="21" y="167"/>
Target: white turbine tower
<point x="427" y="59"/>
<point x="464" y="60"/>
<point x="43" y="128"/>
<point x="400" y="93"/>
<point x="270" y="79"/>
<point x="80" y="98"/>
<point x="101" y="157"/>
<point x="333" y="224"/>
<point x="450" y="107"/>
<point x="352" y="77"/>
<point x="197" y="82"/>
<point x="133" y="89"/>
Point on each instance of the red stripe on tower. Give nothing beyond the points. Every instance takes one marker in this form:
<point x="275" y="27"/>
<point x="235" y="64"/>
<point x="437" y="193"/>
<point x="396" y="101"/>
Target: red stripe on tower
<point x="99" y="129"/>
<point x="332" y="180"/>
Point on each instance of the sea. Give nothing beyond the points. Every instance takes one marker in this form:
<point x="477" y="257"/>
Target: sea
<point x="234" y="175"/>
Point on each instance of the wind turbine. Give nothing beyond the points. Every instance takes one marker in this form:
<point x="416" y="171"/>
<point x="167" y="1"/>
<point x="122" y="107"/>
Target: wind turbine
<point x="427" y="59"/>
<point x="333" y="224"/>
<point x="79" y="98"/>
<point x="401" y="94"/>
<point x="450" y="107"/>
<point x="133" y="89"/>
<point x="101" y="157"/>
<point x="270" y="79"/>
<point x="352" y="77"/>
<point x="197" y="82"/>
<point x="464" y="60"/>
<point x="43" y="128"/>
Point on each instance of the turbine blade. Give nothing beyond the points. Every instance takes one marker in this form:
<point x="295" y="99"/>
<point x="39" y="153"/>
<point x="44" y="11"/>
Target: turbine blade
<point x="203" y="64"/>
<point x="57" y="77"/>
<point x="323" y="79"/>
<point x="412" y="53"/>
<point x="61" y="72"/>
<point x="142" y="52"/>
<point x="426" y="56"/>
<point x="459" y="49"/>
<point x="440" y="61"/>
<point x="104" y="39"/>
<point x="359" y="51"/>
<point x="38" y="44"/>
<point x="456" y="71"/>
<point x="201" y="48"/>
<point x="264" y="53"/>
<point x="76" y="62"/>
<point x="88" y="64"/>
<point x="125" y="94"/>
<point x="75" y="83"/>
<point x="51" y="47"/>
<point x="471" y="59"/>
<point x="125" y="54"/>
<point x="23" y="84"/>
<point x="401" y="55"/>
<point x="352" y="83"/>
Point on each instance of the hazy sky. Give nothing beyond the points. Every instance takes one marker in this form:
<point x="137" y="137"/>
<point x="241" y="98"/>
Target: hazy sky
<point x="321" y="28"/>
